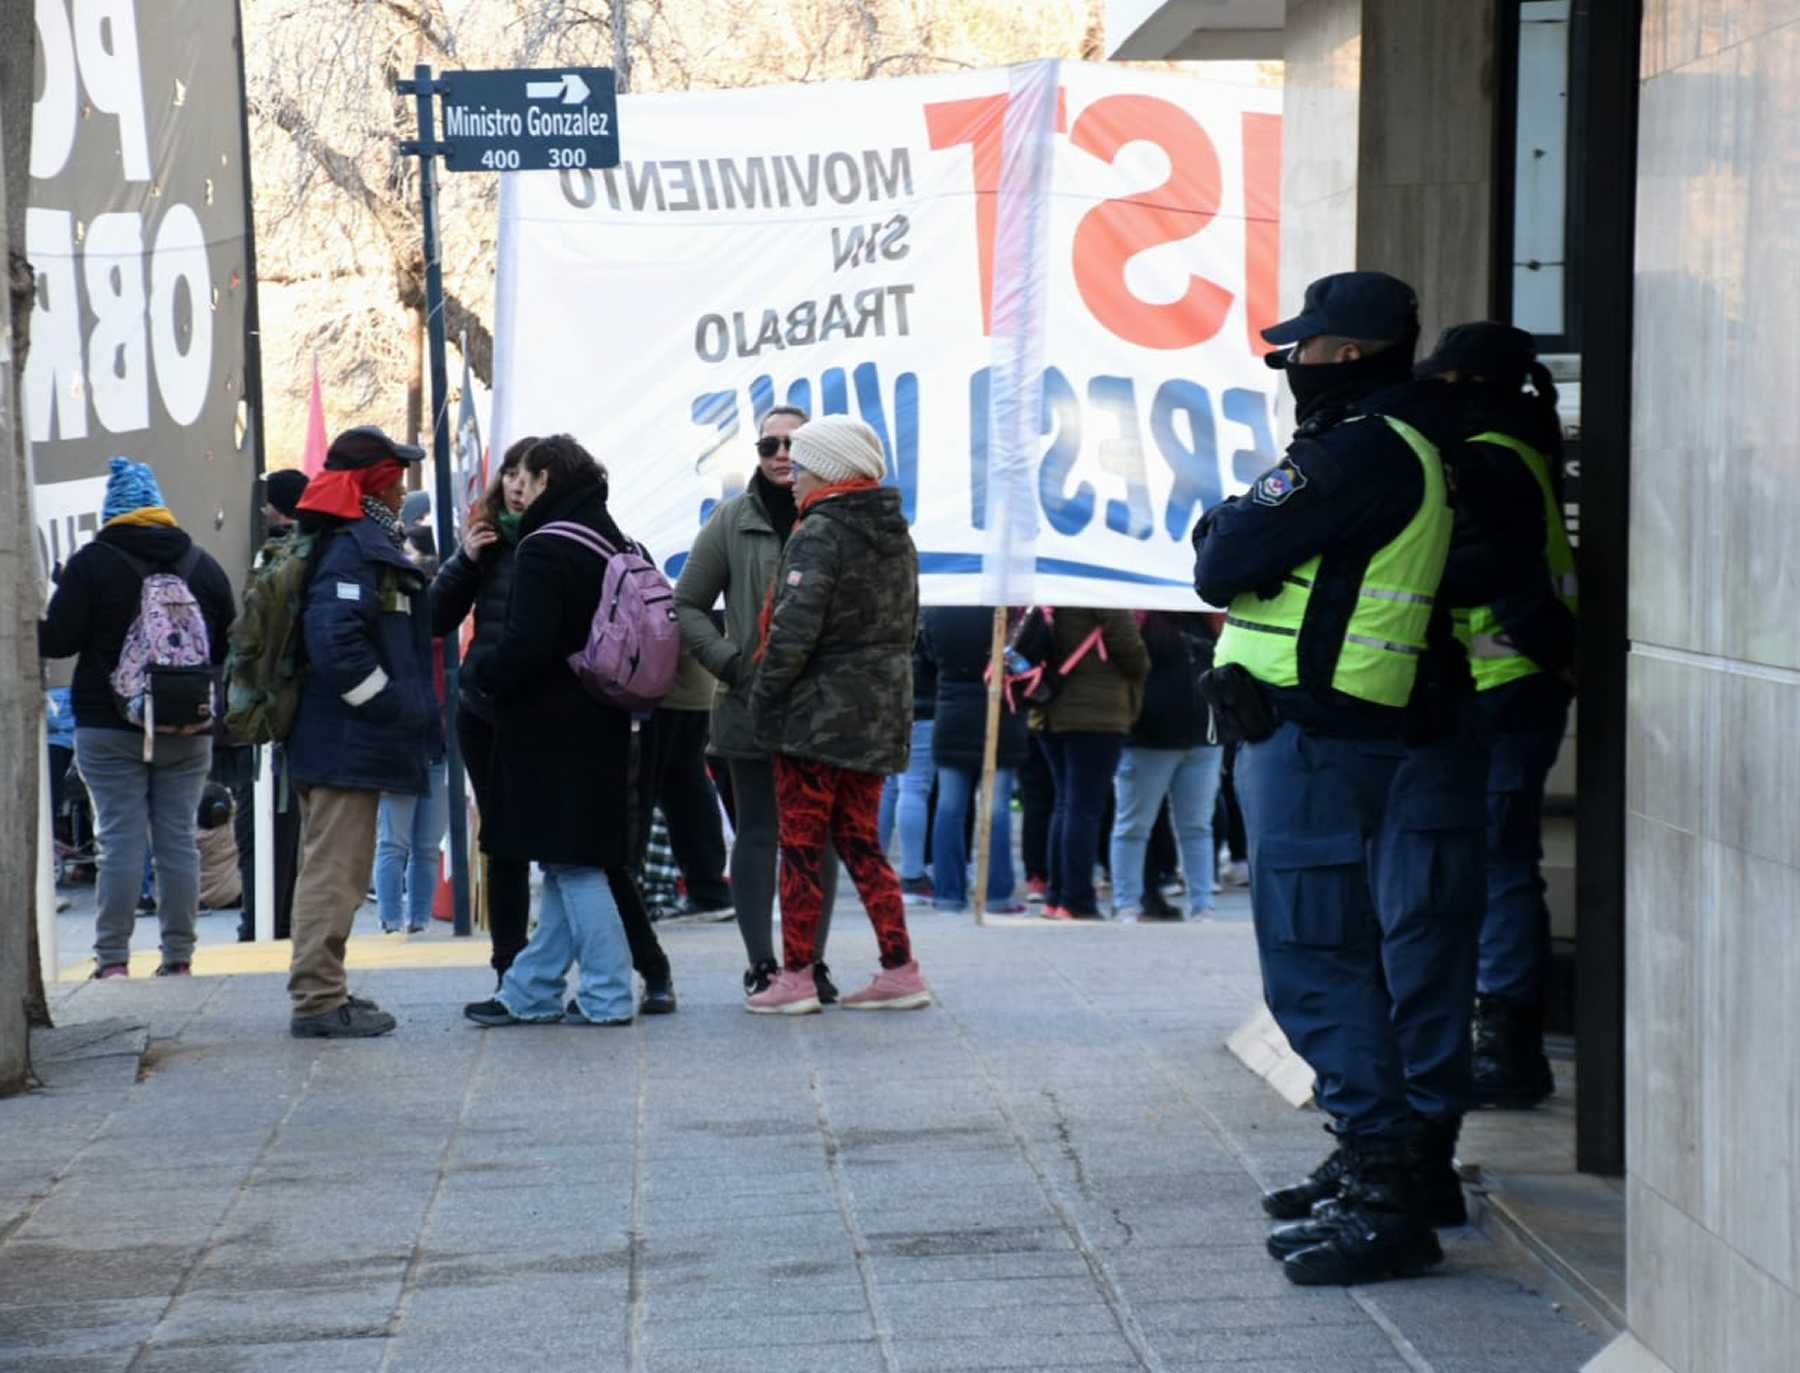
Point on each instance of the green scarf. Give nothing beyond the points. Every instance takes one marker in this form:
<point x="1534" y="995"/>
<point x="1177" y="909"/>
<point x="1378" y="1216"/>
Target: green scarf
<point x="509" y="526"/>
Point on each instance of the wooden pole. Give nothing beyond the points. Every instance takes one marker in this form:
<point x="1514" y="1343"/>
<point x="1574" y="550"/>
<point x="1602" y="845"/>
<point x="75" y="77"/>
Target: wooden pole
<point x="990" y="750"/>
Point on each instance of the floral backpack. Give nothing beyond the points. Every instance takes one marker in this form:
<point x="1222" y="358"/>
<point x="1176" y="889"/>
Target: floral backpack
<point x="165" y="680"/>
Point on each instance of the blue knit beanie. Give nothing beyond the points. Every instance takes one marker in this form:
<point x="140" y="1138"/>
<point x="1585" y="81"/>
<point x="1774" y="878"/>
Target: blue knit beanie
<point x="132" y="486"/>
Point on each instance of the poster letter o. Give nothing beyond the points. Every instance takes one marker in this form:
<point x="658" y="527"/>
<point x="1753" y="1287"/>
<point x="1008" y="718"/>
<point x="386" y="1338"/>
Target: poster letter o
<point x="178" y="260"/>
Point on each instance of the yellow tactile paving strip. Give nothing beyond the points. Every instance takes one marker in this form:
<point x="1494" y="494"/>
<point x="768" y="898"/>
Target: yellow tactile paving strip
<point x="363" y="952"/>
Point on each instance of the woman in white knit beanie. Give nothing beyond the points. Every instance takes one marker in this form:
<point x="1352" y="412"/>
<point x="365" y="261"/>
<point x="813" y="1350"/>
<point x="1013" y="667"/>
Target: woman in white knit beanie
<point x="832" y="701"/>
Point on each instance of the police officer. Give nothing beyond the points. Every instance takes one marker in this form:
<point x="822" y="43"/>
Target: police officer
<point x="1331" y="566"/>
<point x="1522" y="652"/>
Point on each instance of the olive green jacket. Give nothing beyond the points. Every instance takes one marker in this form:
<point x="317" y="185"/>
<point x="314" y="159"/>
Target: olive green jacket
<point x="734" y="556"/>
<point x="1101" y="696"/>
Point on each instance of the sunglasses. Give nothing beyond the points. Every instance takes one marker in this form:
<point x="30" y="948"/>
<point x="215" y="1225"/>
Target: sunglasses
<point x="769" y="445"/>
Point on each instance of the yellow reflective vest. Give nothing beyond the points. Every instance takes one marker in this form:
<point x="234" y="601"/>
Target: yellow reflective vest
<point x="1378" y="660"/>
<point x="1493" y="660"/>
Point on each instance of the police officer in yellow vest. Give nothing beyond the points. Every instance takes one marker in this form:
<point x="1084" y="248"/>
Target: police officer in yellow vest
<point x="1521" y="651"/>
<point x="1330" y="567"/>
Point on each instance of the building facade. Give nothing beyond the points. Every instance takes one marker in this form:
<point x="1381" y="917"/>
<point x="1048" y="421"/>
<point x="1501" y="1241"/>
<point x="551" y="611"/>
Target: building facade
<point x="1622" y="177"/>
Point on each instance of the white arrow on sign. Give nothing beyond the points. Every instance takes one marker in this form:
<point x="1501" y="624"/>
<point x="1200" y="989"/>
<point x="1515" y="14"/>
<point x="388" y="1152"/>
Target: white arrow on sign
<point x="571" y="88"/>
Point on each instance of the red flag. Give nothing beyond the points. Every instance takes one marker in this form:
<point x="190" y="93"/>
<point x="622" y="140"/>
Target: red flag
<point x="314" y="462"/>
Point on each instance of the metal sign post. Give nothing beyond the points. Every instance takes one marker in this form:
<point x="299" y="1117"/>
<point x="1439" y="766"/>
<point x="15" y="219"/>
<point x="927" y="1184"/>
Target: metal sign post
<point x="493" y="121"/>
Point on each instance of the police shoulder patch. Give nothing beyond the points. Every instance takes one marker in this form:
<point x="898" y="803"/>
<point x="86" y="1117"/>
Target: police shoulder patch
<point x="1275" y="486"/>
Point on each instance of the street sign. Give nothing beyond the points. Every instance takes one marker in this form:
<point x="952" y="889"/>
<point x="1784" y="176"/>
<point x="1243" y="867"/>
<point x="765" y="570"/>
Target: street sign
<point x="518" y="121"/>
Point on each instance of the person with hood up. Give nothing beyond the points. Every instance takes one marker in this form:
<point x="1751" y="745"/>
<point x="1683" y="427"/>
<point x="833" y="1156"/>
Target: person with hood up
<point x="831" y="699"/>
<point x="135" y="801"/>
<point x="368" y="720"/>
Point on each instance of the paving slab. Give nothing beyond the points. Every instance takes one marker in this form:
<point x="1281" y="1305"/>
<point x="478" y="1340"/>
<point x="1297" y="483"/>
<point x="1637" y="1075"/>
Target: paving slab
<point x="1055" y="1168"/>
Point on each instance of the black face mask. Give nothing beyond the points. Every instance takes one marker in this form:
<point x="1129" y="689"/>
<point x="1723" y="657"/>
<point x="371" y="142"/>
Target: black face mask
<point x="1319" y="386"/>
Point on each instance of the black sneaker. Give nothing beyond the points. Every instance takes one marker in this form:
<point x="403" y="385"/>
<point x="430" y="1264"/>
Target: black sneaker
<point x="349" y="1021"/>
<point x="915" y="891"/>
<point x="574" y="1012"/>
<point x="492" y="1013"/>
<point x="758" y="977"/>
<point x="827" y="989"/>
<point x="658" y="999"/>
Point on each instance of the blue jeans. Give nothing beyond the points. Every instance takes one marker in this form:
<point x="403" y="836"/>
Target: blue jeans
<point x="578" y="921"/>
<point x="406" y="853"/>
<point x="1082" y="764"/>
<point x="949" y="852"/>
<point x="1190" y="779"/>
<point x="907" y="796"/>
<point x="137" y="803"/>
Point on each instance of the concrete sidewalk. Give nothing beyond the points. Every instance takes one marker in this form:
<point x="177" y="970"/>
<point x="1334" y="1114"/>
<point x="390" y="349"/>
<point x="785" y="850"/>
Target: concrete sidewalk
<point x="1056" y="1167"/>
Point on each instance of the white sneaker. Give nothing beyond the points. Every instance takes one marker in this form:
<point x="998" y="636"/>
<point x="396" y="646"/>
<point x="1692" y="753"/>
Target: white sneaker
<point x="1235" y="874"/>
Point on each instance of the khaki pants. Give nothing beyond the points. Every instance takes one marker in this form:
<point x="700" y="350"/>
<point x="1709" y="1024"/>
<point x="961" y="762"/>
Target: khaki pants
<point x="337" y="857"/>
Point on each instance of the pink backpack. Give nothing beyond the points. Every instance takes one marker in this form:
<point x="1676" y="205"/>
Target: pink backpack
<point x="164" y="679"/>
<point x="634" y="646"/>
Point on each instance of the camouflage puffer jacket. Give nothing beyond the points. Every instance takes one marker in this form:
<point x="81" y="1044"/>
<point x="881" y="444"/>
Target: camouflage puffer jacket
<point x="835" y="681"/>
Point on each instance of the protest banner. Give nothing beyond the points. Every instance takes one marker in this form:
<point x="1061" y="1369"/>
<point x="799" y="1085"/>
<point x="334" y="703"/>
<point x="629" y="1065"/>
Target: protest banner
<point x="1041" y="285"/>
<point x="138" y="228"/>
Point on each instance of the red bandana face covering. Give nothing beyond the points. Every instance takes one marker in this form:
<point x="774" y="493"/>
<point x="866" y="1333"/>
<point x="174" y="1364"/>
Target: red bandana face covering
<point x="341" y="493"/>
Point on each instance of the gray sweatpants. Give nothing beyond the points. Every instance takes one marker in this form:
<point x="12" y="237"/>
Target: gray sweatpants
<point x="753" y="857"/>
<point x="135" y="802"/>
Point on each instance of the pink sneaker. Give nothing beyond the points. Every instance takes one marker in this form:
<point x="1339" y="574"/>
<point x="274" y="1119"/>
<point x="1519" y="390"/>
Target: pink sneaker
<point x="789" y="993"/>
<point x="894" y="989"/>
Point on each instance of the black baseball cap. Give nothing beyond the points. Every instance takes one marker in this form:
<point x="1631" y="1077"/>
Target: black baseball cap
<point x="1485" y="348"/>
<point x="284" y="488"/>
<point x="365" y="446"/>
<point x="1366" y="305"/>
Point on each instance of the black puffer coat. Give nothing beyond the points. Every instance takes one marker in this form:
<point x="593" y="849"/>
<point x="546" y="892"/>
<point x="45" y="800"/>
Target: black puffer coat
<point x="567" y="788"/>
<point x="959" y="640"/>
<point x="1175" y="715"/>
<point x="835" y="681"/>
<point x="484" y="586"/>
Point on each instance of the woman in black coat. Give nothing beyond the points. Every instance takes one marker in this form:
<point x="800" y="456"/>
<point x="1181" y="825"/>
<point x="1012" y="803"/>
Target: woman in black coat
<point x="958" y="640"/>
<point x="566" y="793"/>
<point x="479" y="578"/>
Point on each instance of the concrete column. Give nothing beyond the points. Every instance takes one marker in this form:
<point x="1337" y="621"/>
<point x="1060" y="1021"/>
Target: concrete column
<point x="1389" y="110"/>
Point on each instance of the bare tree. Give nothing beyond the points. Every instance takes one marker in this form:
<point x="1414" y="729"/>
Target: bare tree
<point x="21" y="697"/>
<point x="338" y="231"/>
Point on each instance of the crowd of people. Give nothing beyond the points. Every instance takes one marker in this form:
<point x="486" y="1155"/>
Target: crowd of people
<point x="1369" y="724"/>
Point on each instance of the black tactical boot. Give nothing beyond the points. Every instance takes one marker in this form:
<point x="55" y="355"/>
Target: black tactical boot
<point x="1511" y="1069"/>
<point x="1436" y="1189"/>
<point x="1375" y="1231"/>
<point x="1297" y="1201"/>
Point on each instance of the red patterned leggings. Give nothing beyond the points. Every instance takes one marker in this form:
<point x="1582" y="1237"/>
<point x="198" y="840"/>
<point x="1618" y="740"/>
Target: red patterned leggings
<point x="816" y="800"/>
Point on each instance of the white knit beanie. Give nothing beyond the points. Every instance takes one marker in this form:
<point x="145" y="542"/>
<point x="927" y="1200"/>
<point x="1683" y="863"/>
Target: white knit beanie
<point x="836" y="448"/>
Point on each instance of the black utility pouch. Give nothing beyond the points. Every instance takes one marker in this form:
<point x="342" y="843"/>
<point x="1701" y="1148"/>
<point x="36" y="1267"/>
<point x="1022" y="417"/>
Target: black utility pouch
<point x="1241" y="712"/>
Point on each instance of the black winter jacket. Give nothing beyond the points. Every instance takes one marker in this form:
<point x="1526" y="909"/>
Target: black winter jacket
<point x="1175" y="714"/>
<point x="484" y="586"/>
<point x="96" y="601"/>
<point x="566" y="785"/>
<point x="959" y="641"/>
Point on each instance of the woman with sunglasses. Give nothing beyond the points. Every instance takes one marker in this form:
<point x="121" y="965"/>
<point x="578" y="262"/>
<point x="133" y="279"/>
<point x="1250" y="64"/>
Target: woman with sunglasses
<point x="735" y="557"/>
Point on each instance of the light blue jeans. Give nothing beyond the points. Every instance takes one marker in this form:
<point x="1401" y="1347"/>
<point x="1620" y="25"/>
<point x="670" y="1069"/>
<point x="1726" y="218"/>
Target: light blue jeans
<point x="1190" y="779"/>
<point x="406" y="853"/>
<point x="949" y="853"/>
<point x="578" y="922"/>
<point x="907" y="797"/>
<point x="137" y="803"/>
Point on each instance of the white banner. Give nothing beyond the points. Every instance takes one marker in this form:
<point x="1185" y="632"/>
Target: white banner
<point x="1041" y="285"/>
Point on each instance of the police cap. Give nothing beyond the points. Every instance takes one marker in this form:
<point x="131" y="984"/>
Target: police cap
<point x="1361" y="305"/>
<point x="366" y="445"/>
<point x="1498" y="352"/>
